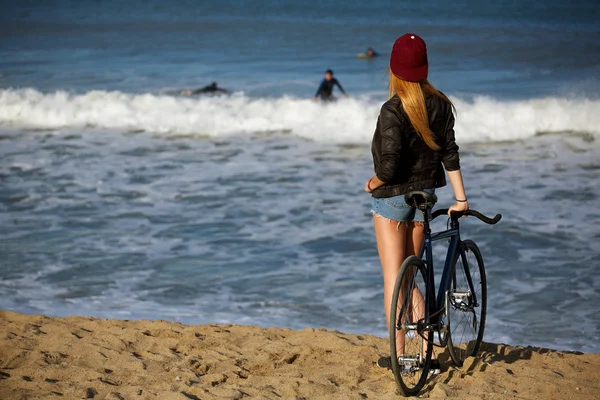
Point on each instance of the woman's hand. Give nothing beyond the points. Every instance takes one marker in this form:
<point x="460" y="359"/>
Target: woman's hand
<point x="369" y="186"/>
<point x="459" y="206"/>
<point x="373" y="183"/>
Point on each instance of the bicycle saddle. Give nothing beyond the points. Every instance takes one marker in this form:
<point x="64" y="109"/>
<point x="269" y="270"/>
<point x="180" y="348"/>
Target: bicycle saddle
<point x="421" y="200"/>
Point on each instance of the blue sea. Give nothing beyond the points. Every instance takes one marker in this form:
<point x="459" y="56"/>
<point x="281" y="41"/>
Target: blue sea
<point x="120" y="198"/>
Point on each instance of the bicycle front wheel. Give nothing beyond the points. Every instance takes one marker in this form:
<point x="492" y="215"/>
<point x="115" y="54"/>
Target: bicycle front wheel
<point x="410" y="338"/>
<point x="466" y="302"/>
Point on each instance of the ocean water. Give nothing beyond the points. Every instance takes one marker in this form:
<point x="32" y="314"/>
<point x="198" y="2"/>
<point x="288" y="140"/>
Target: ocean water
<point x="121" y="199"/>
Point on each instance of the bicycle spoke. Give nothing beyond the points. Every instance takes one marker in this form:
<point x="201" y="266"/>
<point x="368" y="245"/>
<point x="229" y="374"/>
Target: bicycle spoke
<point x="466" y="304"/>
<point x="410" y="351"/>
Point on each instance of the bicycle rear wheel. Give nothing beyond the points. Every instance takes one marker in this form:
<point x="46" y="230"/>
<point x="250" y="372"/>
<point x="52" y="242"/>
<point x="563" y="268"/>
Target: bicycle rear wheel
<point x="466" y="302"/>
<point x="410" y="341"/>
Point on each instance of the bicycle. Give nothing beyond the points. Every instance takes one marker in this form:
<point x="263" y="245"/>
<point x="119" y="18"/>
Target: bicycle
<point x="457" y="314"/>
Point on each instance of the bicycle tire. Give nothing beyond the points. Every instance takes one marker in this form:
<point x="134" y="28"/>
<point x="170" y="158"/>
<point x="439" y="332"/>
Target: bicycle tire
<point x="411" y="281"/>
<point x="466" y="313"/>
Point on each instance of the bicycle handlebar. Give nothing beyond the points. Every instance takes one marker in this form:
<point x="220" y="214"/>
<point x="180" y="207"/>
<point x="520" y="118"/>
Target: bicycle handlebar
<point x="457" y="214"/>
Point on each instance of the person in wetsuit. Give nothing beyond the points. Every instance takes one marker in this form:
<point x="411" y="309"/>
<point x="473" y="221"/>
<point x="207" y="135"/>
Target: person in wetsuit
<point x="326" y="87"/>
<point x="371" y="53"/>
<point x="212" y="88"/>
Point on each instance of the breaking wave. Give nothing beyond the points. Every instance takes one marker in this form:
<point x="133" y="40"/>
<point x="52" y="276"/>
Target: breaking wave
<point x="481" y="119"/>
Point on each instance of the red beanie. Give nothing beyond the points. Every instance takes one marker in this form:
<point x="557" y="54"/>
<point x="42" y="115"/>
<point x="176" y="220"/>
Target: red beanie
<point x="409" y="58"/>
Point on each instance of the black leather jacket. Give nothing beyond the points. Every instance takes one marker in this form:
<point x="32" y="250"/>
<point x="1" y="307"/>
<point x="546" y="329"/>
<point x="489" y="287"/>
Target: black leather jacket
<point x="402" y="159"/>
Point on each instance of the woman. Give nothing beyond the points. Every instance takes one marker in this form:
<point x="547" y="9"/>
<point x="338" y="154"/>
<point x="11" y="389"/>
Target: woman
<point x="414" y="137"/>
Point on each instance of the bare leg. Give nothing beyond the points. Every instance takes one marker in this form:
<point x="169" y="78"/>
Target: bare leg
<point x="390" y="246"/>
<point x="414" y="240"/>
<point x="391" y="242"/>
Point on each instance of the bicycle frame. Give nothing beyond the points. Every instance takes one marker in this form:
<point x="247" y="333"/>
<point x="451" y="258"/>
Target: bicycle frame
<point x="426" y="254"/>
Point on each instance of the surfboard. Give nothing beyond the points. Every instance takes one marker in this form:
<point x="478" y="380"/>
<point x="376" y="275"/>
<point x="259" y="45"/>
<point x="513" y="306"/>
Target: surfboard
<point x="363" y="55"/>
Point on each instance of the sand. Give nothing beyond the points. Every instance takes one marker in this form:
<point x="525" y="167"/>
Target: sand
<point x="79" y="357"/>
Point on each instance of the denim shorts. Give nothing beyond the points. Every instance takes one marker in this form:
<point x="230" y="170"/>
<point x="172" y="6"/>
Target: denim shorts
<point x="396" y="209"/>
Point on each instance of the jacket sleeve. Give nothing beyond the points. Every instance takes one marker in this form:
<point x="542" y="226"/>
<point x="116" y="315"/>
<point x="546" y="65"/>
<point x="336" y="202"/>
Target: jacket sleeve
<point x="390" y="128"/>
<point x="450" y="157"/>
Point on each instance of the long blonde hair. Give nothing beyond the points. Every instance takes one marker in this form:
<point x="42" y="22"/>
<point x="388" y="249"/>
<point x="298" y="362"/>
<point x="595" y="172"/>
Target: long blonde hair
<point x="413" y="101"/>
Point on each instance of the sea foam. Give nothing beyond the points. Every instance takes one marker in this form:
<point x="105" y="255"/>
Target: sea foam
<point x="480" y="119"/>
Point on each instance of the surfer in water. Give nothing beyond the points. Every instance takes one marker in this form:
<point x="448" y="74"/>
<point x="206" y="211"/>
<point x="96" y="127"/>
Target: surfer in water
<point x="371" y="53"/>
<point x="209" y="89"/>
<point x="326" y="88"/>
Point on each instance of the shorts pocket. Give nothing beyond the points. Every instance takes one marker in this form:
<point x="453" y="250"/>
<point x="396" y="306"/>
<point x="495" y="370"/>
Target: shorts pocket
<point x="397" y="202"/>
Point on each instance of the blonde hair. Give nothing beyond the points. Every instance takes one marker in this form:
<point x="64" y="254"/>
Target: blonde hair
<point x="413" y="101"/>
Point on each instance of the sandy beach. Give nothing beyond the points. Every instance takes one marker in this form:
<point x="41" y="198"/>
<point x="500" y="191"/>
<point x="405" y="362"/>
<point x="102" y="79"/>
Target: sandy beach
<point x="79" y="357"/>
